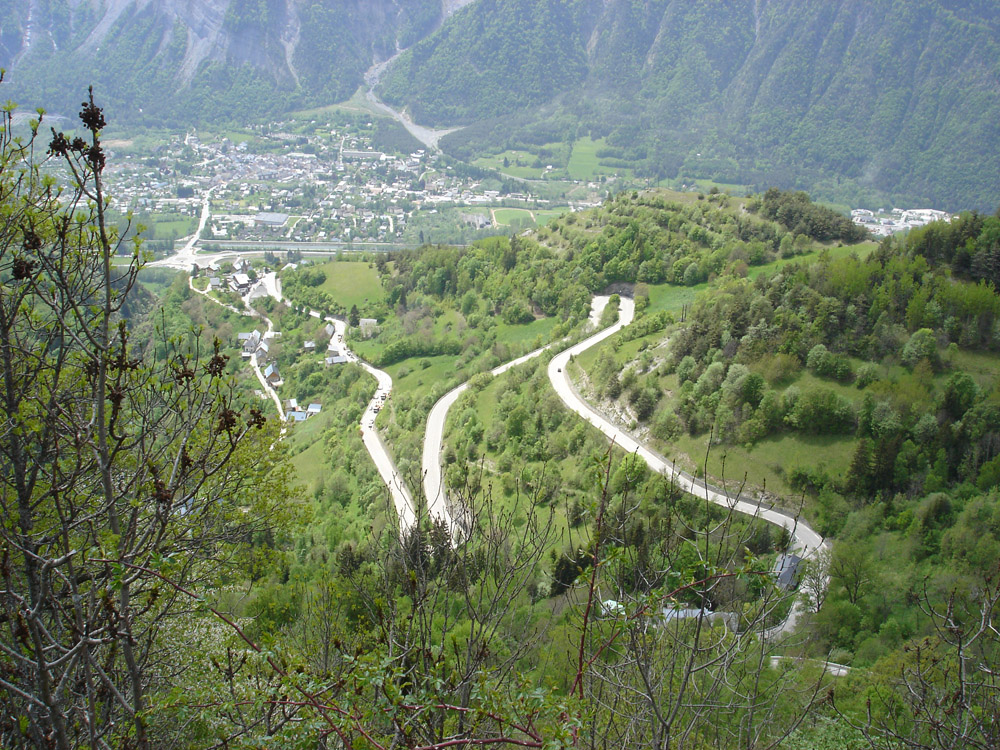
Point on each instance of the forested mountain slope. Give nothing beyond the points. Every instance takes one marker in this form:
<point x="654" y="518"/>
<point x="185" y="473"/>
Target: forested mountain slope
<point x="857" y="101"/>
<point x="895" y="97"/>
<point x="187" y="61"/>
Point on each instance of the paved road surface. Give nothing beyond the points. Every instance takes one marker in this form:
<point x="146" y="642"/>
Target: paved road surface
<point x="185" y="258"/>
<point x="434" y="491"/>
<point x="805" y="542"/>
<point x="401" y="497"/>
<point x="437" y="505"/>
<point x="250" y="313"/>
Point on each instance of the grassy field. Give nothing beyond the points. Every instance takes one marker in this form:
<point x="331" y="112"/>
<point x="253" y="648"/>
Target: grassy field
<point x="671" y="298"/>
<point x="529" y="164"/>
<point x="862" y="249"/>
<point x="532" y="334"/>
<point x="164" y="226"/>
<point x="731" y="187"/>
<point x="544" y="216"/>
<point x="584" y="163"/>
<point x="540" y="217"/>
<point x="767" y="464"/>
<point x="519" y="164"/>
<point x="158" y="280"/>
<point x="984" y="368"/>
<point x="507" y="216"/>
<point x="417" y="377"/>
<point x="351" y="283"/>
<point x="310" y="463"/>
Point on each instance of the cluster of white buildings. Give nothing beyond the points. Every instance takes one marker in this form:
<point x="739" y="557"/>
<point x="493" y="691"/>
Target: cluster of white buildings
<point x="884" y="223"/>
<point x="322" y="185"/>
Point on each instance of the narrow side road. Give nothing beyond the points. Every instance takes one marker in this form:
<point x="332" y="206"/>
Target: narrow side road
<point x="434" y="490"/>
<point x="377" y="449"/>
<point x="248" y="312"/>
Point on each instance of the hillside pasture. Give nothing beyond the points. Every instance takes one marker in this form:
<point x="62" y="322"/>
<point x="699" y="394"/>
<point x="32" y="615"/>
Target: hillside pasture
<point x="585" y="164"/>
<point x="351" y="283"/>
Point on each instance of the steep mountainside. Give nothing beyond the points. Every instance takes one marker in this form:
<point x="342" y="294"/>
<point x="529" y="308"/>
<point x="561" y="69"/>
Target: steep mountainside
<point x="898" y="97"/>
<point x="184" y="60"/>
<point x="859" y="101"/>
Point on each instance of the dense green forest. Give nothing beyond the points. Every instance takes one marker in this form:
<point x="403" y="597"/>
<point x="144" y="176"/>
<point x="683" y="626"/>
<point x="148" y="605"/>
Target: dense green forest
<point x="205" y="579"/>
<point x="851" y="101"/>
<point x="888" y="363"/>
<point x="878" y="349"/>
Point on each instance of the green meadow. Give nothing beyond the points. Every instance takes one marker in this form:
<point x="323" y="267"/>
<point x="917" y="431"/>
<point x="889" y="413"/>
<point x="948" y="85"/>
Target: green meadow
<point x="351" y="283"/>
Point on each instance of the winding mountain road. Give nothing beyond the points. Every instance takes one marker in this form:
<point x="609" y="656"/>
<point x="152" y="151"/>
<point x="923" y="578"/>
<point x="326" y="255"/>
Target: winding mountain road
<point x="805" y="542"/>
<point x="434" y="490"/>
<point x="377" y="449"/>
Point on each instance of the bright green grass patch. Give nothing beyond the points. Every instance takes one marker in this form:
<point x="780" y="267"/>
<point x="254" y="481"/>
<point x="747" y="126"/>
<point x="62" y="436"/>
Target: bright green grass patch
<point x="519" y="164"/>
<point x="158" y="280"/>
<point x="305" y="440"/>
<point x="507" y="216"/>
<point x="731" y="187"/>
<point x="369" y="350"/>
<point x="806" y="381"/>
<point x="862" y="250"/>
<point x="583" y="161"/>
<point x="485" y="401"/>
<point x="351" y="283"/>
<point x="533" y="334"/>
<point x="310" y="464"/>
<point x="544" y="216"/>
<point x="527" y="164"/>
<point x="447" y="321"/>
<point x="584" y="164"/>
<point x="585" y="361"/>
<point x="169" y="225"/>
<point x="984" y="368"/>
<point x="418" y="376"/>
<point x="767" y="464"/>
<point x="671" y="298"/>
<point x="305" y="433"/>
<point x="624" y="353"/>
<point x="357" y="103"/>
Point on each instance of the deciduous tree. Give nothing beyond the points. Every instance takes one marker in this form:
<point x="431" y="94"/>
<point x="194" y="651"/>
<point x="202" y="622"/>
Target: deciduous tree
<point x="121" y="476"/>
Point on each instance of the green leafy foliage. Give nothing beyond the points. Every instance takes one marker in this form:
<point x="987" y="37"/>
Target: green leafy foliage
<point x="801" y="216"/>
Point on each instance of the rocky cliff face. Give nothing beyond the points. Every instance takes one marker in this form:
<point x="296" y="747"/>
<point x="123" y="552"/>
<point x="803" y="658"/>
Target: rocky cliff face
<point x="207" y="57"/>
